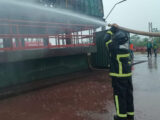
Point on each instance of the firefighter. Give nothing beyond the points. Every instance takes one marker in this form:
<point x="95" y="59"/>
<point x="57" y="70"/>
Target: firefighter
<point x="155" y="48"/>
<point x="131" y="50"/>
<point x="149" y="48"/>
<point x="120" y="72"/>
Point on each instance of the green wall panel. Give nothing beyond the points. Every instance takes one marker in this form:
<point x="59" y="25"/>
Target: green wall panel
<point x="100" y="59"/>
<point x="14" y="73"/>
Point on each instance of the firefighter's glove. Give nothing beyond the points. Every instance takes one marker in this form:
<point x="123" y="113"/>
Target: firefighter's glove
<point x="107" y="37"/>
<point x="114" y="29"/>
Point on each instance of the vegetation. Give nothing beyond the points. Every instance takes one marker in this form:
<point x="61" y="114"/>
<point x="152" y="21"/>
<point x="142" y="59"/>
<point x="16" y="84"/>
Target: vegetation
<point x="142" y="42"/>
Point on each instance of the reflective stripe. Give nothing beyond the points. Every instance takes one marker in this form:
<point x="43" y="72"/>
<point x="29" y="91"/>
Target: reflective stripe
<point x="107" y="43"/>
<point x="120" y="75"/>
<point x="130" y="113"/>
<point x="110" y="32"/>
<point x="119" y="62"/>
<point x="117" y="108"/>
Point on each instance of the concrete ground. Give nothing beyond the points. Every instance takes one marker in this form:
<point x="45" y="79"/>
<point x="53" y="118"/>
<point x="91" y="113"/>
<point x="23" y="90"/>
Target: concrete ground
<point x="88" y="98"/>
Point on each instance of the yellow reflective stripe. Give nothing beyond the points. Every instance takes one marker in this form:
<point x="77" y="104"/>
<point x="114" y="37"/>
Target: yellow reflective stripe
<point x="130" y="113"/>
<point x="120" y="75"/>
<point x="117" y="108"/>
<point x="109" y="32"/>
<point x="119" y="62"/>
<point x="107" y="43"/>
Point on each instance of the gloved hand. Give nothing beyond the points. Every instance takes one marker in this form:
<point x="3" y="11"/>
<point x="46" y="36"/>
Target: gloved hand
<point x="107" y="37"/>
<point x="114" y="27"/>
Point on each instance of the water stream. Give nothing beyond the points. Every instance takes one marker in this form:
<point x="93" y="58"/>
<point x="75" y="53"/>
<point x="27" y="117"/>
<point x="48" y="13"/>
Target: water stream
<point x="24" y="7"/>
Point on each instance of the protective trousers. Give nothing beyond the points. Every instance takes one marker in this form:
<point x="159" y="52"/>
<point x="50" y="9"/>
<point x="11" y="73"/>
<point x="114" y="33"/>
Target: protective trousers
<point x="149" y="52"/>
<point x="123" y="97"/>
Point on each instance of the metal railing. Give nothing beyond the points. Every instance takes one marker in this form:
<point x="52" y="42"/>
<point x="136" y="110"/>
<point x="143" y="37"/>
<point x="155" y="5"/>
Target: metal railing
<point x="22" y="35"/>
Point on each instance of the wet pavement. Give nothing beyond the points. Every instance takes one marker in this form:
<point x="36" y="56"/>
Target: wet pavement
<point x="88" y="98"/>
<point x="146" y="81"/>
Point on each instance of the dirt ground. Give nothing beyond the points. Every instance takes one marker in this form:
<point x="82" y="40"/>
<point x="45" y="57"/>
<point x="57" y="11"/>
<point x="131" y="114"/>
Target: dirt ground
<point x="86" y="98"/>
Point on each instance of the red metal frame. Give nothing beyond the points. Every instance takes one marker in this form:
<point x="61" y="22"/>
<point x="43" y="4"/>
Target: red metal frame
<point x="76" y="36"/>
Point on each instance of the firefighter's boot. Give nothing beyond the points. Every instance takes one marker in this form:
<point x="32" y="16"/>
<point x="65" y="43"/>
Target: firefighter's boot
<point x="119" y="118"/>
<point x="130" y="117"/>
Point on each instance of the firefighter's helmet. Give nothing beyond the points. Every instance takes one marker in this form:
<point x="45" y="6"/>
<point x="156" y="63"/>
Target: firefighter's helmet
<point x="121" y="37"/>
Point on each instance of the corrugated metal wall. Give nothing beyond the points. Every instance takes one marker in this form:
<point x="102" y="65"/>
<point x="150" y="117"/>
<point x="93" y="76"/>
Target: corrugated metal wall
<point x="100" y="59"/>
<point x="88" y="7"/>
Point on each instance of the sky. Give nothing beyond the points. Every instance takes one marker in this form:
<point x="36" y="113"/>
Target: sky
<point x="134" y="14"/>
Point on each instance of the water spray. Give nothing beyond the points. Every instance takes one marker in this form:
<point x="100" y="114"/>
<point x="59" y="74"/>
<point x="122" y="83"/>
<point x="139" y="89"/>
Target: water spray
<point x="63" y="12"/>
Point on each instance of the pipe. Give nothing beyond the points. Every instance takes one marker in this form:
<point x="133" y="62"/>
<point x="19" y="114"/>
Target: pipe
<point x="151" y="34"/>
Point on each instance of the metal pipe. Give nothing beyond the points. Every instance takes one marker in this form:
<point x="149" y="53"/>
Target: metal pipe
<point x="152" y="34"/>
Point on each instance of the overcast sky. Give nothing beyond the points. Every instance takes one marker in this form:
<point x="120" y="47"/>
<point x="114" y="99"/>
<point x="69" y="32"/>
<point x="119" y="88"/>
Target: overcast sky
<point x="134" y="14"/>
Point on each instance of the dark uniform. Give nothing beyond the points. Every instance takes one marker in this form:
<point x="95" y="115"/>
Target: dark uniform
<point x="149" y="48"/>
<point x="155" y="49"/>
<point x="120" y="71"/>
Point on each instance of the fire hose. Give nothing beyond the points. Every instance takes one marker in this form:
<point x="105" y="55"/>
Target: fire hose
<point x="151" y="34"/>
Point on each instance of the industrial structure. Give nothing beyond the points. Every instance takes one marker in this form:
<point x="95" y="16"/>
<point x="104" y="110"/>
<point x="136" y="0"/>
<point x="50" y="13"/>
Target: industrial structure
<point x="40" y="45"/>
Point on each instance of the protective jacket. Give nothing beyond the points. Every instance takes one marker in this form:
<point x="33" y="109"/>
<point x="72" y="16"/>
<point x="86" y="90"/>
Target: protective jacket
<point x="120" y="62"/>
<point x="149" y="45"/>
<point x="155" y="45"/>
